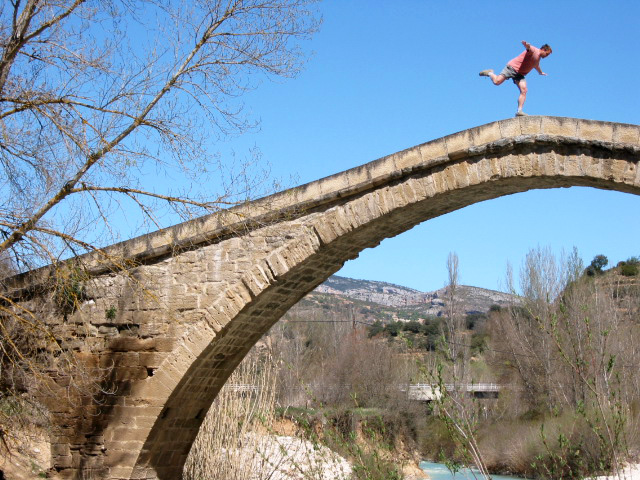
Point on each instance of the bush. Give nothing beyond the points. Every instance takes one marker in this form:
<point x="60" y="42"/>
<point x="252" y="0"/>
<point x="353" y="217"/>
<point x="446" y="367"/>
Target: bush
<point x="629" y="270"/>
<point x="413" y="327"/>
<point x="633" y="261"/>
<point x="630" y="267"/>
<point x="478" y="343"/>
<point x="393" y="328"/>
<point x="474" y="321"/>
<point x="375" y="329"/>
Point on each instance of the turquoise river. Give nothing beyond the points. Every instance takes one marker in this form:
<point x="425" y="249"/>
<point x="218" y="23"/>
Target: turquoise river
<point x="437" y="471"/>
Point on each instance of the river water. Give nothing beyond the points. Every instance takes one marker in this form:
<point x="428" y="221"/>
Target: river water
<point x="437" y="471"/>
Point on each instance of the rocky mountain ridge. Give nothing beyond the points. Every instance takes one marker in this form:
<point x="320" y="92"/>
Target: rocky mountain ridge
<point x="469" y="299"/>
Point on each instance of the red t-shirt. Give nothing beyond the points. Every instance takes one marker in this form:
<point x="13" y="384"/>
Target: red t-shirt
<point x="526" y="61"/>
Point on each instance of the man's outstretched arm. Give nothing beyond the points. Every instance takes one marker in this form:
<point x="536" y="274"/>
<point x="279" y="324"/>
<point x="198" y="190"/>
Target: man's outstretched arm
<point x="537" y="67"/>
<point x="526" y="45"/>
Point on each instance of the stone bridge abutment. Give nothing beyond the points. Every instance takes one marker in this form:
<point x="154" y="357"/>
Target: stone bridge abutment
<point x="196" y="297"/>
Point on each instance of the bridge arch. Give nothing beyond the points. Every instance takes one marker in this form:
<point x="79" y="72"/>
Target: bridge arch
<point x="382" y="200"/>
<point x="228" y="279"/>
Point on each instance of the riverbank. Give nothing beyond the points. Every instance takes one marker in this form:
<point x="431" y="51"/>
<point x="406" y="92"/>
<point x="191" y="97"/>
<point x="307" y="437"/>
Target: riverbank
<point x="630" y="472"/>
<point x="362" y="441"/>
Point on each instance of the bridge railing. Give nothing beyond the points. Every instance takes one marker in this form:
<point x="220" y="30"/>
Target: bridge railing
<point x="427" y="391"/>
<point x="415" y="391"/>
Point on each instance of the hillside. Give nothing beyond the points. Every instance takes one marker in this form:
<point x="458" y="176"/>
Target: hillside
<point x="410" y="301"/>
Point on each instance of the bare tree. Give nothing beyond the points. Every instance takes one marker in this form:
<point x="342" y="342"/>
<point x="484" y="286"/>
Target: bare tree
<point x="572" y="344"/>
<point x="453" y="405"/>
<point x="96" y="97"/>
<point x="454" y="321"/>
<point x="92" y="96"/>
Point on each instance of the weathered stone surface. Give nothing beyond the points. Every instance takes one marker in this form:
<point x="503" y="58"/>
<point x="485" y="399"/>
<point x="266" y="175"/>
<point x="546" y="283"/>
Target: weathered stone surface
<point x="200" y="294"/>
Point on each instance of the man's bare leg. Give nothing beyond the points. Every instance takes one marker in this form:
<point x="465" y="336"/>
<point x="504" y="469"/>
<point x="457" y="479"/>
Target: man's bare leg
<point x="497" y="79"/>
<point x="522" y="86"/>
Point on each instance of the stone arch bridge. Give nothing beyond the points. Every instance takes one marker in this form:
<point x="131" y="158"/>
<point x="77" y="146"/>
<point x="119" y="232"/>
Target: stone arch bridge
<point x="197" y="296"/>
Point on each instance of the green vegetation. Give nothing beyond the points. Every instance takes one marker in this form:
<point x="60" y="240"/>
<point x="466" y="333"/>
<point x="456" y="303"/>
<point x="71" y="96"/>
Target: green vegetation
<point x="596" y="266"/>
<point x="630" y="267"/>
<point x="568" y="407"/>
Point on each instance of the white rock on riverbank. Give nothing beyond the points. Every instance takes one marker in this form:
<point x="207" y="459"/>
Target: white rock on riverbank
<point x="630" y="472"/>
<point x="292" y="458"/>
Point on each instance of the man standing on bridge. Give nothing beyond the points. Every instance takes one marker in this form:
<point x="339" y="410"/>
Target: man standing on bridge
<point x="517" y="68"/>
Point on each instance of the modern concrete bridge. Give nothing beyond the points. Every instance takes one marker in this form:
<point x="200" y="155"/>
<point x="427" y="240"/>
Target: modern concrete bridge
<point x="194" y="298"/>
<point x="427" y="392"/>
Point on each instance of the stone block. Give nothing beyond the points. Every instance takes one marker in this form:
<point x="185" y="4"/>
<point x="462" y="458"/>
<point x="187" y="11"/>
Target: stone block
<point x="593" y="130"/>
<point x="123" y="445"/>
<point x="258" y="279"/>
<point x="131" y="344"/>
<point x="183" y="302"/>
<point x="618" y="169"/>
<point x="360" y="212"/>
<point x="358" y="176"/>
<point x="474" y="173"/>
<point x="439" y="182"/>
<point x="62" y="461"/>
<point x="118" y="472"/>
<point x="530" y="125"/>
<point x="325" y="229"/>
<point x="277" y="264"/>
<point x="459" y="143"/>
<point x="430" y="186"/>
<point x="626" y="134"/>
<point x="142" y="473"/>
<point x="510" y="128"/>
<point x="487" y="134"/>
<point x="381" y="168"/>
<point x="409" y="193"/>
<point x="407" y="158"/>
<point x="432" y="150"/>
<point x="418" y="188"/>
<point x="60" y="450"/>
<point x="151" y="359"/>
<point x="125" y="434"/>
<point x="330" y="185"/>
<point x="560" y="126"/>
<point x="571" y="167"/>
<point x="461" y="174"/>
<point x="146" y="422"/>
<point x="129" y="373"/>
<point x="126" y="359"/>
<point x="122" y="457"/>
<point x="66" y="473"/>
<point x="630" y="174"/>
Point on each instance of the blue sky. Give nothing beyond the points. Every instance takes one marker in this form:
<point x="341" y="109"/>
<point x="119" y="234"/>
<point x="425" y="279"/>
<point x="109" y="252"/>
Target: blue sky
<point x="385" y="76"/>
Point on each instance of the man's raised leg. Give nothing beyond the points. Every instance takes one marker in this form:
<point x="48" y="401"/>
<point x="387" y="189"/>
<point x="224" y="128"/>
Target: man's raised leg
<point x="496" y="79"/>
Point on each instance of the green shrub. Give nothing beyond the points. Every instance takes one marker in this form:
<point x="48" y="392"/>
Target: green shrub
<point x="629" y="270"/>
<point x="413" y="327"/>
<point x="633" y="261"/>
<point x="478" y="343"/>
<point x="630" y="267"/>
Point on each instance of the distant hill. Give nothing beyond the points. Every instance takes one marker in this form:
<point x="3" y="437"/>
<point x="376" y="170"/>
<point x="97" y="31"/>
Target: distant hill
<point x="413" y="302"/>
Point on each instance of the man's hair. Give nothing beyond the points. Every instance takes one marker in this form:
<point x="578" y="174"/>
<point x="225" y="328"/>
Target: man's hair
<point x="546" y="47"/>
